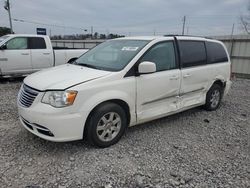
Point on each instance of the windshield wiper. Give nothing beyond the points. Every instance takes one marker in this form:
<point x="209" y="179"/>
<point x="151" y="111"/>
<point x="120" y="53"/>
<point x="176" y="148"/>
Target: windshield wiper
<point x="87" y="65"/>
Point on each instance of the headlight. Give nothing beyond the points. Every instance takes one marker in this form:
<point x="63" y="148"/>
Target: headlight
<point x="59" y="98"/>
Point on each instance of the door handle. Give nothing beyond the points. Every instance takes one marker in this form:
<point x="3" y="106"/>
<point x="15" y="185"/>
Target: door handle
<point x="186" y="75"/>
<point x="46" y="53"/>
<point x="25" y="53"/>
<point x="174" y="78"/>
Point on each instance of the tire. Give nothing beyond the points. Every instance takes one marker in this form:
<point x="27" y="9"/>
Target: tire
<point x="213" y="98"/>
<point x="106" y="125"/>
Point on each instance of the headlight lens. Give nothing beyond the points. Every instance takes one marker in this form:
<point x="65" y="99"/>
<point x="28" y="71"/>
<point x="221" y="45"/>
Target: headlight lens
<point x="59" y="98"/>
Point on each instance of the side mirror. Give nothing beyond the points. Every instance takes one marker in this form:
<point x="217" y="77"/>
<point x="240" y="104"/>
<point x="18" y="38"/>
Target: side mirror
<point x="3" y="47"/>
<point x="146" y="67"/>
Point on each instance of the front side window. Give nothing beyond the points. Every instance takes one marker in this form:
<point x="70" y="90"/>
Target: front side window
<point x="17" y="43"/>
<point x="163" y="55"/>
<point x="112" y="55"/>
<point x="37" y="43"/>
<point x="216" y="53"/>
<point x="193" y="53"/>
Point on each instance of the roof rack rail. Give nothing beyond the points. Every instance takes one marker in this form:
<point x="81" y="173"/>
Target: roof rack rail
<point x="178" y="35"/>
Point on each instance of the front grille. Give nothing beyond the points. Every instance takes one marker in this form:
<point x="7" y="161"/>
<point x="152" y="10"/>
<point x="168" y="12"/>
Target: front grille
<point x="27" y="96"/>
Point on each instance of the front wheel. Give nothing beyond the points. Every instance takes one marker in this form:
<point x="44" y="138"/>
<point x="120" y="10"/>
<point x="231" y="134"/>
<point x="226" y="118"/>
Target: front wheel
<point x="213" y="98"/>
<point x="106" y="125"/>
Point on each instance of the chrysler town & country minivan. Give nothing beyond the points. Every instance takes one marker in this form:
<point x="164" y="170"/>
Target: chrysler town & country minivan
<point x="121" y="83"/>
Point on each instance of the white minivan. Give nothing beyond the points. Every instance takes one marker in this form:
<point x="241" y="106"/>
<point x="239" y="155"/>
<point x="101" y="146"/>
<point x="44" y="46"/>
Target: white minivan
<point x="121" y="83"/>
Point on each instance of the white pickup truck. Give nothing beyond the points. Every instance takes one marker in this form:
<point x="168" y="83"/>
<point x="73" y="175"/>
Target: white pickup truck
<point x="23" y="54"/>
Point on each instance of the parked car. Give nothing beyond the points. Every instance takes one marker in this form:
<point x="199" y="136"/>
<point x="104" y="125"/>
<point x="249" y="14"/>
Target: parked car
<point x="25" y="54"/>
<point x="121" y="83"/>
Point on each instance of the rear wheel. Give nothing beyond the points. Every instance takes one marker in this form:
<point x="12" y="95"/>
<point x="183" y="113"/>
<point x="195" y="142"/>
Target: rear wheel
<point x="106" y="125"/>
<point x="213" y="98"/>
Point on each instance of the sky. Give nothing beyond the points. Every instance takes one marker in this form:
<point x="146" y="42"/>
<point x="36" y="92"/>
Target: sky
<point x="126" y="17"/>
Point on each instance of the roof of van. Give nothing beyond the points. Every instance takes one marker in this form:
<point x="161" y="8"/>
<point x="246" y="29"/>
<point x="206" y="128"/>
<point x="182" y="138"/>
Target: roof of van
<point x="184" y="37"/>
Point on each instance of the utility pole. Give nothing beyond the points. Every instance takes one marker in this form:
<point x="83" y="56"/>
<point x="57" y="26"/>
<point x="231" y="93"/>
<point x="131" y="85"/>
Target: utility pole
<point x="232" y="41"/>
<point x="92" y="32"/>
<point x="187" y="30"/>
<point x="7" y="7"/>
<point x="232" y="31"/>
<point x="183" y="26"/>
<point x="107" y="33"/>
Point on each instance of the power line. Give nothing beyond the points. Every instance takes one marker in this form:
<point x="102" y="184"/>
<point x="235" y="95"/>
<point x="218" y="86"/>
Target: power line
<point x="40" y="23"/>
<point x="170" y="27"/>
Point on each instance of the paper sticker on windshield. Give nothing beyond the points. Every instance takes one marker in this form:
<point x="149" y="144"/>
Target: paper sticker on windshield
<point x="129" y="48"/>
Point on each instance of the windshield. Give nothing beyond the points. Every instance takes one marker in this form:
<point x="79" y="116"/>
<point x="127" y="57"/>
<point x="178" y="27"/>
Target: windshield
<point x="112" y="55"/>
<point x="2" y="38"/>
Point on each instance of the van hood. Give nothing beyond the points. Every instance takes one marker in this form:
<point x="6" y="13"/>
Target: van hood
<point x="63" y="77"/>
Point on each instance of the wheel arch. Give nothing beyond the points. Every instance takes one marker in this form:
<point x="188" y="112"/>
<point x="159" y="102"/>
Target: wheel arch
<point x="124" y="105"/>
<point x="220" y="83"/>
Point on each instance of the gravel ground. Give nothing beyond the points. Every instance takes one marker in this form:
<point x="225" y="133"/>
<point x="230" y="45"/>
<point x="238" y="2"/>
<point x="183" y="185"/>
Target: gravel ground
<point x="195" y="148"/>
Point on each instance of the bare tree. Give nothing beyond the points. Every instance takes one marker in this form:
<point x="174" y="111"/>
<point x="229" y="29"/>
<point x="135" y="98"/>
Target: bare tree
<point x="245" y="20"/>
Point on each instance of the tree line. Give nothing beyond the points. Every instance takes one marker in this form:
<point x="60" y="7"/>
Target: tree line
<point x="96" y="35"/>
<point x="4" y="31"/>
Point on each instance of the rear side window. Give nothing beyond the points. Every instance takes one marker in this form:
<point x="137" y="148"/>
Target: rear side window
<point x="193" y="53"/>
<point x="216" y="52"/>
<point x="37" y="43"/>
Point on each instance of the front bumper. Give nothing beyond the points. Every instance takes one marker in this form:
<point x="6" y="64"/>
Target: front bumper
<point x="58" y="125"/>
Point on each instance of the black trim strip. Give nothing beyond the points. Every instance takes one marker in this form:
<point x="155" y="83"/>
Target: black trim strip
<point x="166" y="97"/>
<point x="177" y="52"/>
<point x="196" y="90"/>
<point x="240" y="57"/>
<point x="159" y="99"/>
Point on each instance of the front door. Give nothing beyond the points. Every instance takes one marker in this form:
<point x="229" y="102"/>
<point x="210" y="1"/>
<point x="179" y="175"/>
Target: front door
<point x="157" y="93"/>
<point x="16" y="58"/>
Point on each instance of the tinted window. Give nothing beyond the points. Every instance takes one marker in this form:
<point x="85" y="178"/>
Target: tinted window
<point x="163" y="55"/>
<point x="17" y="43"/>
<point x="193" y="53"/>
<point x="37" y="43"/>
<point x="216" y="52"/>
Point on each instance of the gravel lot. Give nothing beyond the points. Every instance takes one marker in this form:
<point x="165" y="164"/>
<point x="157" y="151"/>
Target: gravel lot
<point x="195" y="148"/>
